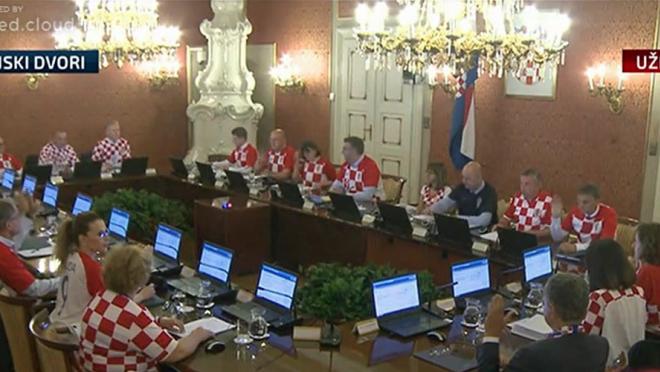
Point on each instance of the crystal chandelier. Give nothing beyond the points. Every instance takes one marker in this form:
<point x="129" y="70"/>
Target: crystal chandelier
<point x="161" y="70"/>
<point x="122" y="31"/>
<point x="449" y="35"/>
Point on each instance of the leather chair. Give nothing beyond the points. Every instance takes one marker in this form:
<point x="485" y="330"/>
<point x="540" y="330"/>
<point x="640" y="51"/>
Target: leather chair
<point x="16" y="313"/>
<point x="55" y="350"/>
<point x="393" y="188"/>
<point x="625" y="234"/>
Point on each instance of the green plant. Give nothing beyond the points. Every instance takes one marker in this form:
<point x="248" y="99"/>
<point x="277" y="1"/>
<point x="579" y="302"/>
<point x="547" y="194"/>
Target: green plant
<point x="335" y="292"/>
<point x="147" y="211"/>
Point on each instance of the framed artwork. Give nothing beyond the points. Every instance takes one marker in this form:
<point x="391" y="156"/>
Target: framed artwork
<point x="534" y="83"/>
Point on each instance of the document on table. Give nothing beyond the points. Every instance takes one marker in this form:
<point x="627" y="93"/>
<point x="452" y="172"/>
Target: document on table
<point x="212" y="324"/>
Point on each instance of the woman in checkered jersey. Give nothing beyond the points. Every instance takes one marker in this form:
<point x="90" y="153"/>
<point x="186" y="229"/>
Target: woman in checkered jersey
<point x="647" y="260"/>
<point x="118" y="334"/>
<point x="312" y="170"/>
<point x="434" y="189"/>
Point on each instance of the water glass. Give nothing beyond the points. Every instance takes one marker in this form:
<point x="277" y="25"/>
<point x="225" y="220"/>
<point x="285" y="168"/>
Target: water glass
<point x="472" y="313"/>
<point x="258" y="328"/>
<point x="242" y="333"/>
<point x="535" y="296"/>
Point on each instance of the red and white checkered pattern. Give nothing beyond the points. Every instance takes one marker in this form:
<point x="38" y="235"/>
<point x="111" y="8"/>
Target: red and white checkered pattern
<point x="110" y="151"/>
<point x="9" y="161"/>
<point x="531" y="73"/>
<point x="431" y="196"/>
<point x="599" y="225"/>
<point x="117" y="334"/>
<point x="529" y="215"/>
<point x="280" y="160"/>
<point x="244" y="156"/>
<point x="51" y="154"/>
<point x="312" y="173"/>
<point x="598" y="301"/>
<point x="354" y="179"/>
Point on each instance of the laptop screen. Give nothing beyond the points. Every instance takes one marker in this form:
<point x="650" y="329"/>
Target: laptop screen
<point x="537" y="262"/>
<point x="29" y="184"/>
<point x="8" y="179"/>
<point x="277" y="286"/>
<point x="470" y="277"/>
<point x="118" y="224"/>
<point x="82" y="204"/>
<point x="168" y="241"/>
<point x="50" y="195"/>
<point x="395" y="294"/>
<point x="215" y="262"/>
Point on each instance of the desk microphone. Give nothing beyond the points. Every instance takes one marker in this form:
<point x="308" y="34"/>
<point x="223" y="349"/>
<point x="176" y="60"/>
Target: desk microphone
<point x="438" y="289"/>
<point x="502" y="274"/>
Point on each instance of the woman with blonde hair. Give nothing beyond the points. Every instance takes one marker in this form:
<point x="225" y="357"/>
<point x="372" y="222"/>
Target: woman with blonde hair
<point x="119" y="334"/>
<point x="435" y="187"/>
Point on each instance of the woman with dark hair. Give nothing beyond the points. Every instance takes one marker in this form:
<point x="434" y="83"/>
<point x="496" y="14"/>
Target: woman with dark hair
<point x="617" y="308"/>
<point x="435" y="187"/>
<point x="313" y="170"/>
<point x="647" y="257"/>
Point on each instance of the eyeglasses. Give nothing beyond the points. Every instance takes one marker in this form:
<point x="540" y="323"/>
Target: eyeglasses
<point x="104" y="234"/>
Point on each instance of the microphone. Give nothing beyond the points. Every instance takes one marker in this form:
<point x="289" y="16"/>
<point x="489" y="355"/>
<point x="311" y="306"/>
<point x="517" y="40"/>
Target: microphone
<point x="501" y="275"/>
<point x="438" y="289"/>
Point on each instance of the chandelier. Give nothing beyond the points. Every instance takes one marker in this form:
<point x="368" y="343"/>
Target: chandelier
<point x="450" y="35"/>
<point x="122" y="30"/>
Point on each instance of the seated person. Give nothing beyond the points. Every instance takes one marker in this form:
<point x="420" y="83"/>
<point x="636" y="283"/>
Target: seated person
<point x="113" y="149"/>
<point x="589" y="220"/>
<point x="15" y="275"/>
<point x="118" y="334"/>
<point x="359" y="176"/>
<point x="81" y="243"/>
<point x="59" y="154"/>
<point x="28" y="207"/>
<point x="315" y="172"/>
<point x="644" y="356"/>
<point x="530" y="209"/>
<point x="475" y="199"/>
<point x="565" y="300"/>
<point x="435" y="188"/>
<point x="647" y="256"/>
<point x="279" y="160"/>
<point x="617" y="308"/>
<point x="243" y="157"/>
<point x="7" y="160"/>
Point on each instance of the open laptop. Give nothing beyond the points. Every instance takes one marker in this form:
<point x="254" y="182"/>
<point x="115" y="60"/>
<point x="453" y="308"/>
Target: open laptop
<point x="167" y="248"/>
<point x="237" y="182"/>
<point x="87" y="169"/>
<point x="206" y="173"/>
<point x="8" y="178"/>
<point x="513" y="243"/>
<point x="398" y="307"/>
<point x="49" y="199"/>
<point x="82" y="204"/>
<point x="291" y="194"/>
<point x="134" y="166"/>
<point x="41" y="172"/>
<point x="472" y="280"/>
<point x="344" y="207"/>
<point x="275" y="293"/>
<point x="29" y="185"/>
<point x="395" y="219"/>
<point x="179" y="168"/>
<point x="453" y="229"/>
<point x="118" y="225"/>
<point x="537" y="264"/>
<point x="214" y="266"/>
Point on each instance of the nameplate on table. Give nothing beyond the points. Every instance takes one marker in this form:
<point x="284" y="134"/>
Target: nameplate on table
<point x="480" y="247"/>
<point x="244" y="296"/>
<point x="106" y="176"/>
<point x="308" y="205"/>
<point x="420" y="231"/>
<point x="254" y="192"/>
<point x="307" y="333"/>
<point x="56" y="180"/>
<point x="368" y="219"/>
<point x="446" y="304"/>
<point x="151" y="172"/>
<point x="366" y="326"/>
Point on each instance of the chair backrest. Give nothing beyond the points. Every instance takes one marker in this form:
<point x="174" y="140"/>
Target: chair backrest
<point x="216" y="157"/>
<point x="625" y="234"/>
<point x="31" y="160"/>
<point x="16" y="314"/>
<point x="624" y="324"/>
<point x="55" y="350"/>
<point x="393" y="188"/>
<point x="502" y="206"/>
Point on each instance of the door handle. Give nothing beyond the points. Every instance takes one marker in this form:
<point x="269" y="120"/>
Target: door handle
<point x="368" y="129"/>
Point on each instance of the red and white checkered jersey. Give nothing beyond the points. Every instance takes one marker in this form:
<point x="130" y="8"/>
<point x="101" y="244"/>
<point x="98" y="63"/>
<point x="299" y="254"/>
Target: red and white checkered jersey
<point x="648" y="277"/>
<point x="9" y="161"/>
<point x="244" y="156"/>
<point x="54" y="155"/>
<point x="355" y="178"/>
<point x="117" y="334"/>
<point x="312" y="172"/>
<point x="431" y="196"/>
<point x="599" y="225"/>
<point x="112" y="152"/>
<point x="528" y="215"/>
<point x="281" y="160"/>
<point x="601" y="298"/>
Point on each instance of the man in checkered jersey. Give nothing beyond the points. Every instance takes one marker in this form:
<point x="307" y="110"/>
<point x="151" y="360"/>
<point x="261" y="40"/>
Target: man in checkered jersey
<point x="59" y="154"/>
<point x="530" y="209"/>
<point x="589" y="220"/>
<point x="243" y="157"/>
<point x="359" y="176"/>
<point x="279" y="160"/>
<point x="8" y="160"/>
<point x="113" y="149"/>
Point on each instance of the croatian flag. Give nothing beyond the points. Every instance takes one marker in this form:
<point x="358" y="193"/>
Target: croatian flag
<point x="463" y="134"/>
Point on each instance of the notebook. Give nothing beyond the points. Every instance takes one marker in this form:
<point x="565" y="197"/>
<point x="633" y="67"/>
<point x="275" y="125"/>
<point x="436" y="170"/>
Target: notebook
<point x="534" y="328"/>
<point x="212" y="324"/>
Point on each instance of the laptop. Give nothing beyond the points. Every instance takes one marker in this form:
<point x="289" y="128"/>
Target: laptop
<point x="395" y="219"/>
<point x="41" y="172"/>
<point x="206" y="173"/>
<point x="87" y="169"/>
<point x="274" y="293"/>
<point x="513" y="243"/>
<point x="134" y="166"/>
<point x="237" y="182"/>
<point x="291" y="194"/>
<point x="118" y="225"/>
<point x="537" y="264"/>
<point x="453" y="229"/>
<point x="82" y="204"/>
<point x="29" y="185"/>
<point x="214" y="266"/>
<point x="167" y="248"/>
<point x="49" y="199"/>
<point x="344" y="207"/>
<point x="398" y="307"/>
<point x="179" y="168"/>
<point x="8" y="178"/>
<point x="472" y="280"/>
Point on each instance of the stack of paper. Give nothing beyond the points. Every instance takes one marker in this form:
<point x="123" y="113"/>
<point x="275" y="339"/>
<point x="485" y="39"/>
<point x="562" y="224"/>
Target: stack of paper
<point x="212" y="324"/>
<point x="491" y="236"/>
<point x="534" y="328"/>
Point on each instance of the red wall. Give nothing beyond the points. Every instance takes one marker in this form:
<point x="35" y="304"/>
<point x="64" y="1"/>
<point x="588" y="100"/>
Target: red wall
<point x="154" y="122"/>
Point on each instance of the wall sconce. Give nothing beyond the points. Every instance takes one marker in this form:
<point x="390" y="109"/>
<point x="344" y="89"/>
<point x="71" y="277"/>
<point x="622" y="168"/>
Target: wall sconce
<point x="448" y="83"/>
<point x="286" y="75"/>
<point x="611" y="93"/>
<point x="161" y="70"/>
<point x="32" y="80"/>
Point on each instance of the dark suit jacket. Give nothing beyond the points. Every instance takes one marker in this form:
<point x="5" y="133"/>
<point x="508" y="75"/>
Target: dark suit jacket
<point x="570" y="353"/>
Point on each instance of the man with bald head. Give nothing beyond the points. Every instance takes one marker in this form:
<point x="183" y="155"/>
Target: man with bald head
<point x="279" y="160"/>
<point x="475" y="199"/>
<point x="59" y="154"/>
<point x="113" y="149"/>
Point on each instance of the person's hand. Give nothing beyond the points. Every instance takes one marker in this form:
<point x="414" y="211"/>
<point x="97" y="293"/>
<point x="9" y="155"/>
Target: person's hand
<point x="201" y="334"/>
<point x="496" y="320"/>
<point x="145" y="293"/>
<point x="567" y="247"/>
<point x="172" y="324"/>
<point x="26" y="204"/>
<point x="557" y="206"/>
